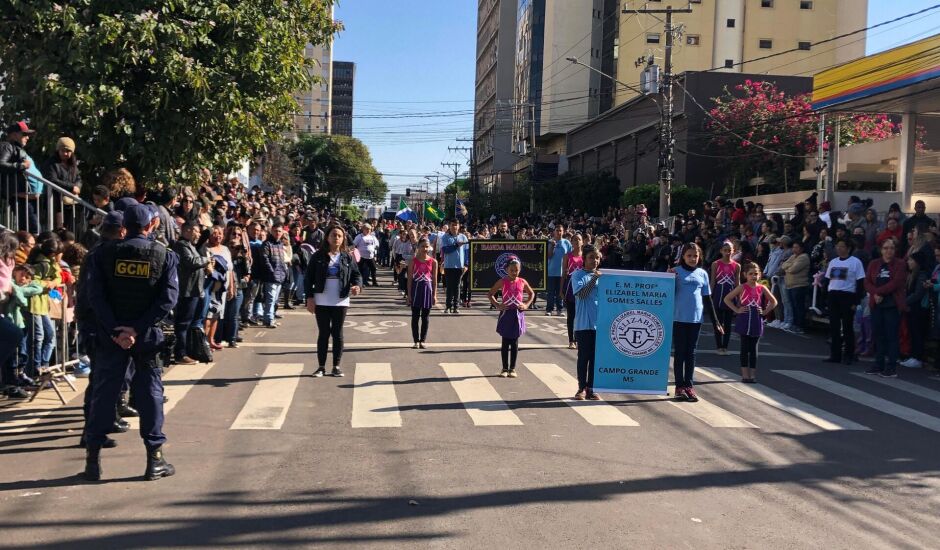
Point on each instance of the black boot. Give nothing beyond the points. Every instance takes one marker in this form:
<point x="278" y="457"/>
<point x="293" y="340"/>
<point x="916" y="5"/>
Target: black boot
<point x="120" y="426"/>
<point x="93" y="463"/>
<point x="157" y="466"/>
<point x="124" y="408"/>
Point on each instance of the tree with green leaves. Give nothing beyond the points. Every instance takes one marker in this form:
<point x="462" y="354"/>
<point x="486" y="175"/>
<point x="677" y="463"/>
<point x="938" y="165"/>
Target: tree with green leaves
<point x="338" y="168"/>
<point x="162" y="88"/>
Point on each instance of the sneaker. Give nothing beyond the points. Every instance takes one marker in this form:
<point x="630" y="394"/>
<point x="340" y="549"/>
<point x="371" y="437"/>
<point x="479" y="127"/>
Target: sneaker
<point x="690" y="394"/>
<point x="24" y="380"/>
<point x="271" y="325"/>
<point x="421" y="345"/>
<point x="560" y="314"/>
<point x="874" y="371"/>
<point x="549" y="313"/>
<point x="504" y="373"/>
<point x="912" y="363"/>
<point x="796" y="330"/>
<point x="774" y="324"/>
<point x="456" y="311"/>
<point x="233" y="344"/>
<point x="81" y="372"/>
<point x="722" y="351"/>
<point x="680" y="395"/>
<point x="512" y="373"/>
<point x="278" y="316"/>
<point x="785" y="327"/>
<point x="337" y="372"/>
<point x="591" y="396"/>
<point x="15" y="392"/>
<point x="579" y="396"/>
<point x="186" y="360"/>
<point x="889" y="373"/>
<point x="319" y="372"/>
<point x="415" y="346"/>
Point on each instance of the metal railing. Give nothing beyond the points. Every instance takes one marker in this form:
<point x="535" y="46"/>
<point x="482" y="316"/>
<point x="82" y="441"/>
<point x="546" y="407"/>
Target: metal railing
<point x="30" y="211"/>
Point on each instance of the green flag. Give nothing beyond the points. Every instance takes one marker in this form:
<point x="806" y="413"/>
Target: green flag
<point x="432" y="213"/>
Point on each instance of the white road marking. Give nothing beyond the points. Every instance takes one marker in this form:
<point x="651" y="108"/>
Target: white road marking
<point x="867" y="399"/>
<point x="814" y="415"/>
<point x="562" y="384"/>
<point x="398" y="345"/>
<point x="28" y="414"/>
<point x="713" y="415"/>
<point x="479" y="397"/>
<point x="266" y="408"/>
<point x="908" y="387"/>
<point x="375" y="404"/>
<point x="188" y="376"/>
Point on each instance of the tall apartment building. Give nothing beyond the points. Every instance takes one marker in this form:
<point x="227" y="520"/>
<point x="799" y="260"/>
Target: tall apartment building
<point x="723" y="33"/>
<point x="344" y="73"/>
<point x="492" y="121"/>
<point x="551" y="94"/>
<point x="316" y="102"/>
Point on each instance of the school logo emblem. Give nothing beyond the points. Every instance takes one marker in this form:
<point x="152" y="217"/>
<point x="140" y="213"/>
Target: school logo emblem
<point x="503" y="261"/>
<point x="637" y="333"/>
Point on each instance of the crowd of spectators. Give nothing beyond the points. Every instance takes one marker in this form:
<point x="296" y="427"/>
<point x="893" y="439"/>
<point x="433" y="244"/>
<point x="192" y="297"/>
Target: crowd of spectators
<point x="244" y="254"/>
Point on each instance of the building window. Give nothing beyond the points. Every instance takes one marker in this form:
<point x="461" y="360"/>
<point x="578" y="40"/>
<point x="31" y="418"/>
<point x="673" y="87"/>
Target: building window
<point x="692" y="39"/>
<point x="765" y="44"/>
<point x="806" y="4"/>
<point x="652" y="38"/>
<point x="804" y="45"/>
<point x="766" y="3"/>
<point x="729" y="63"/>
<point x="731" y="23"/>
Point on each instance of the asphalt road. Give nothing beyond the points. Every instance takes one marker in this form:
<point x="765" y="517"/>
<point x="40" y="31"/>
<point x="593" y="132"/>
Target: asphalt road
<point x="430" y="449"/>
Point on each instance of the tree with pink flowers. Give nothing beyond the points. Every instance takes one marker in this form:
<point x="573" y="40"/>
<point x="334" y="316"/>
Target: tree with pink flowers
<point x="765" y="132"/>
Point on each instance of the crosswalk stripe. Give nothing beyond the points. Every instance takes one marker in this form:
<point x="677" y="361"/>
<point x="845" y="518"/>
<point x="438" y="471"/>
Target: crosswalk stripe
<point x="479" y="397"/>
<point x="187" y="376"/>
<point x="919" y="391"/>
<point x="867" y="399"/>
<point x="596" y="413"/>
<point x="266" y="408"/>
<point x="711" y="414"/>
<point x="18" y="416"/>
<point x="375" y="404"/>
<point x="814" y="415"/>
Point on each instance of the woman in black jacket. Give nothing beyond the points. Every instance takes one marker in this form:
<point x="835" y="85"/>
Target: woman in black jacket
<point x="62" y="170"/>
<point x="332" y="277"/>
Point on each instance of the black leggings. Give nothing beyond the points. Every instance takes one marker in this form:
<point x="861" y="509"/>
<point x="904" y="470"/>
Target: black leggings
<point x="725" y="317"/>
<point x="571" y="310"/>
<point x="421" y="314"/>
<point x="330" y="321"/>
<point x="509" y="351"/>
<point x="749" y="351"/>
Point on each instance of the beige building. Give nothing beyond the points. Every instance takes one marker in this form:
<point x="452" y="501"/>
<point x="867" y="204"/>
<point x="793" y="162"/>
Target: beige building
<point x="723" y="33"/>
<point x="316" y="102"/>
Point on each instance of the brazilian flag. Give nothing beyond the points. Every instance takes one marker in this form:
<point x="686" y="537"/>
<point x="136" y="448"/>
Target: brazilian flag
<point x="432" y="213"/>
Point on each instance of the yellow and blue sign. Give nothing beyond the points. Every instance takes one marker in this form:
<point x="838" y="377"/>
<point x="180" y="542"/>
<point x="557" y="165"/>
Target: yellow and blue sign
<point x="877" y="74"/>
<point x="634" y="331"/>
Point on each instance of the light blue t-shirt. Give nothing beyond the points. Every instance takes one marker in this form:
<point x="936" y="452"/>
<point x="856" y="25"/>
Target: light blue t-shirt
<point x="453" y="259"/>
<point x="585" y="316"/>
<point x="555" y="263"/>
<point x="690" y="287"/>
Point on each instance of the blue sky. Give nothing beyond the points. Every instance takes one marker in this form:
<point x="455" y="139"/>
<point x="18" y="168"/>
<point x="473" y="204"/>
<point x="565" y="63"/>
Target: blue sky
<point x="415" y="65"/>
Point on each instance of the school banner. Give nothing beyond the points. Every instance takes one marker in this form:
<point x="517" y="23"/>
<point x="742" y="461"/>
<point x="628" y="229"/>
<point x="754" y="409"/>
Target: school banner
<point x="488" y="261"/>
<point x="634" y="331"/>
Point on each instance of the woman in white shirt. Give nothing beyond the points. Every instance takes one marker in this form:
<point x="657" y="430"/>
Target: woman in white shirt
<point x="846" y="276"/>
<point x="367" y="244"/>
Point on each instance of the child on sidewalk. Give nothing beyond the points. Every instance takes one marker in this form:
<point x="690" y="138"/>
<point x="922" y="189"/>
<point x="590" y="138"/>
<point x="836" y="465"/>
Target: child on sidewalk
<point x="753" y="300"/>
<point x="517" y="296"/>
<point x="422" y="290"/>
<point x="16" y="308"/>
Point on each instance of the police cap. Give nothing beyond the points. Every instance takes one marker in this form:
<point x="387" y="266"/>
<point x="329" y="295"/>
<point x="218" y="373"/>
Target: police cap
<point x="113" y="219"/>
<point x="122" y="203"/>
<point x="138" y="215"/>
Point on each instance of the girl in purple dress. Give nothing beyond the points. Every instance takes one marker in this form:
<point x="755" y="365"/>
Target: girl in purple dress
<point x="753" y="299"/>
<point x="517" y="296"/>
<point x="422" y="290"/>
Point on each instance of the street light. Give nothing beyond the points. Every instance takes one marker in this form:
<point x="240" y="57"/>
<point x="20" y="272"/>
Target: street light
<point x="575" y="61"/>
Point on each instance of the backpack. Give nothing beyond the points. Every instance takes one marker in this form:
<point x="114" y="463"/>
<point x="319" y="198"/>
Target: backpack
<point x="198" y="346"/>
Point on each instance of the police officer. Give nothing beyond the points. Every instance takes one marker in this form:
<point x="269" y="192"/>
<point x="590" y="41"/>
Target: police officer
<point x="133" y="285"/>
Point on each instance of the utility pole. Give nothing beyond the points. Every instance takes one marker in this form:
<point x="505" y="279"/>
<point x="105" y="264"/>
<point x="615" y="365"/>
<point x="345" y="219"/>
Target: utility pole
<point x="667" y="143"/>
<point x="474" y="173"/>
<point x="456" y="167"/>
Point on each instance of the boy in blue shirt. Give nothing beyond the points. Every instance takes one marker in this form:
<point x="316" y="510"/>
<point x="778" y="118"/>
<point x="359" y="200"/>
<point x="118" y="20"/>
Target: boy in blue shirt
<point x="558" y="248"/>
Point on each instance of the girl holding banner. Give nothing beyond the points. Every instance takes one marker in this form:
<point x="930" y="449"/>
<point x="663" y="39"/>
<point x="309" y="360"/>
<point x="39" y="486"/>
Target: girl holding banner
<point x="584" y="287"/>
<point x="511" y="323"/>
<point x="692" y="300"/>
<point x="753" y="300"/>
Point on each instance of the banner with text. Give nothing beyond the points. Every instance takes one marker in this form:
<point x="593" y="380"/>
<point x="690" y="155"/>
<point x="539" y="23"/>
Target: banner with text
<point x="634" y="331"/>
<point x="488" y="261"/>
